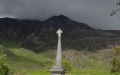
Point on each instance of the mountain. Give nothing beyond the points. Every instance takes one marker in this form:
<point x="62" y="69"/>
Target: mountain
<point x="40" y="36"/>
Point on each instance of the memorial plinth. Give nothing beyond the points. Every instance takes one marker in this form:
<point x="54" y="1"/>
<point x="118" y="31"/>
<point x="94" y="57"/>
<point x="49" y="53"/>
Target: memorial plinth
<point x="57" y="68"/>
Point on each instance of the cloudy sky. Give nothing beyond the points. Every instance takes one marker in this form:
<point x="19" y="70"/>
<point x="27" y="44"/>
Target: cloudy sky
<point x="95" y="13"/>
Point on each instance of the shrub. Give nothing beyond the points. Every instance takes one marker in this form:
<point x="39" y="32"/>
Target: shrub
<point x="3" y="65"/>
<point x="67" y="66"/>
<point x="116" y="61"/>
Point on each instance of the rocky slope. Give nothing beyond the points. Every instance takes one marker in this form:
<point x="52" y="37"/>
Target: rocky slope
<point x="40" y="36"/>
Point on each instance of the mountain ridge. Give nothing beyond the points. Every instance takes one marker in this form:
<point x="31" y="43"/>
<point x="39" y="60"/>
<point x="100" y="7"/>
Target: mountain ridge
<point x="41" y="35"/>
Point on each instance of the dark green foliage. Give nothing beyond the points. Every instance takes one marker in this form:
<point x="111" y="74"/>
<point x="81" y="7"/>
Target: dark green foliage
<point x="41" y="36"/>
<point x="116" y="61"/>
<point x="3" y="66"/>
<point x="67" y="66"/>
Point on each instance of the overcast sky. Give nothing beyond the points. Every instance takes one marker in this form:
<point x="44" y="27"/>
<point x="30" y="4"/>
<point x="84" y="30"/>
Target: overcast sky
<point x="95" y="13"/>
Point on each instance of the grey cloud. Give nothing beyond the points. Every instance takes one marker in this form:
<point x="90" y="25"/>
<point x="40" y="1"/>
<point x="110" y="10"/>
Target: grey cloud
<point x="93" y="12"/>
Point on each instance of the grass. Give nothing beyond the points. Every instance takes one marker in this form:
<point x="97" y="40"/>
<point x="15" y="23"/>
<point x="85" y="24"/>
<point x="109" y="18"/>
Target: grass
<point x="92" y="60"/>
<point x="91" y="72"/>
<point x="85" y="60"/>
<point x="21" y="58"/>
<point x="74" y="72"/>
<point x="35" y="72"/>
<point x="27" y="62"/>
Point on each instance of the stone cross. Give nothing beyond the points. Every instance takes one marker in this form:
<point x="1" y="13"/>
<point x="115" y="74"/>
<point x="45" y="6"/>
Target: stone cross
<point x="58" y="58"/>
<point x="57" y="69"/>
<point x="59" y="33"/>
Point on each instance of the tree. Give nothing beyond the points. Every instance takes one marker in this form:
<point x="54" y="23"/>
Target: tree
<point x="3" y="65"/>
<point x="116" y="61"/>
<point x="117" y="8"/>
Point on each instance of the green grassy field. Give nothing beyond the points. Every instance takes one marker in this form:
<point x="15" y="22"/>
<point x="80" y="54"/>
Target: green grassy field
<point x="26" y="62"/>
<point x="21" y="58"/>
<point x="74" y="72"/>
<point x="85" y="60"/>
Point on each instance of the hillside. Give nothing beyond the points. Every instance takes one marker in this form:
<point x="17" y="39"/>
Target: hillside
<point x="26" y="62"/>
<point x="41" y="36"/>
<point x="99" y="60"/>
<point x="19" y="58"/>
<point x="84" y="63"/>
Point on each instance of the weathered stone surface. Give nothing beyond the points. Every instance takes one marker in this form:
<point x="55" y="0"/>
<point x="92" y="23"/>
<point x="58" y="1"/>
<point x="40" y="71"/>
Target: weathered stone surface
<point x="57" y="69"/>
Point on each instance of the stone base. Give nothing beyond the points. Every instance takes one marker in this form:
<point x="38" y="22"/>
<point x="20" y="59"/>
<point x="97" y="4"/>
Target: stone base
<point x="57" y="70"/>
<point x="58" y="73"/>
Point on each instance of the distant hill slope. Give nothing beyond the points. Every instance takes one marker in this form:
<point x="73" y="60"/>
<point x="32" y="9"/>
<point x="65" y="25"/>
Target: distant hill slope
<point x="22" y="59"/>
<point x="85" y="60"/>
<point x="40" y="36"/>
<point x="19" y="58"/>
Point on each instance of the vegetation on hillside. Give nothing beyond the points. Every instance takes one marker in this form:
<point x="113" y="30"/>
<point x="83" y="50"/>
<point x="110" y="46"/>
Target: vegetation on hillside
<point x="41" y="36"/>
<point x="4" y="70"/>
<point x="116" y="61"/>
<point x="22" y="59"/>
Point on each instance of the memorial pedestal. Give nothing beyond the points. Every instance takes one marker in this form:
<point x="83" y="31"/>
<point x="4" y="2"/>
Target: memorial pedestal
<point x="57" y="69"/>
